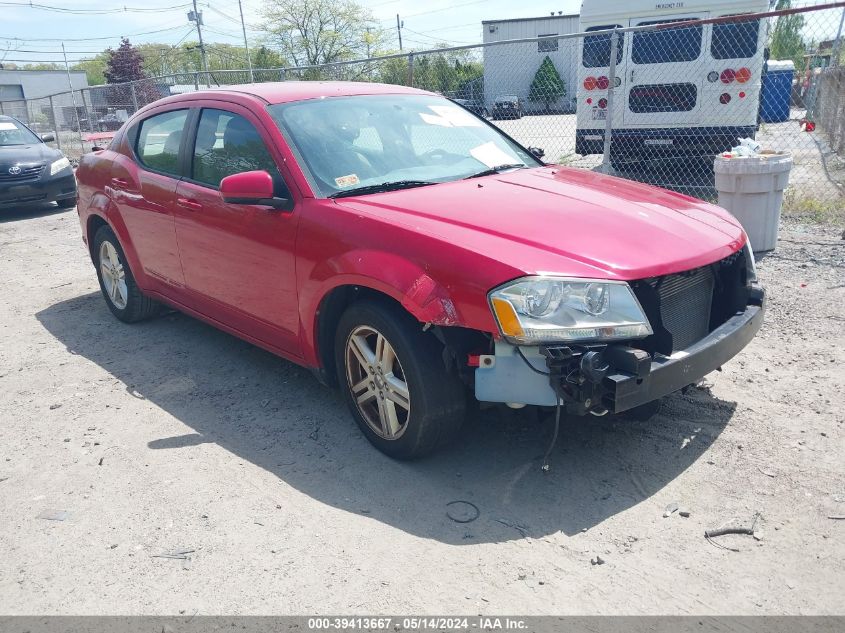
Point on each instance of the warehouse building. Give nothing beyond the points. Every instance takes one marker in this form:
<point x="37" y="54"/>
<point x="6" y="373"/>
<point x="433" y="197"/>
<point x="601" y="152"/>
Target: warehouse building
<point x="23" y="92"/>
<point x="509" y="69"/>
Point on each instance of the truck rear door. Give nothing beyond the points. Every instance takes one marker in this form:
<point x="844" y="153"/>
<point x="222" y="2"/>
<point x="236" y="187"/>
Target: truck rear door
<point x="665" y="73"/>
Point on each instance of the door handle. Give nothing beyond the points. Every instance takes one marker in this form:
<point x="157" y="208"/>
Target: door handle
<point x="190" y="205"/>
<point x="119" y="183"/>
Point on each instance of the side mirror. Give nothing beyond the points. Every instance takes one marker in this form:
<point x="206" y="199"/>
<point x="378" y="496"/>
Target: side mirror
<point x="537" y="152"/>
<point x="252" y="187"/>
<point x="48" y="137"/>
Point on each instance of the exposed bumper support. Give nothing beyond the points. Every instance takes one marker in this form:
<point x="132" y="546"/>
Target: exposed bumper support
<point x="626" y="390"/>
<point x="615" y="378"/>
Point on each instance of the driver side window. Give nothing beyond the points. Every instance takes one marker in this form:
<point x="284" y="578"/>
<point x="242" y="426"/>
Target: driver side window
<point x="228" y="144"/>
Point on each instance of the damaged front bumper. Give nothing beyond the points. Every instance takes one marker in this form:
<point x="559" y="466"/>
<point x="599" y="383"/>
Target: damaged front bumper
<point x="609" y="378"/>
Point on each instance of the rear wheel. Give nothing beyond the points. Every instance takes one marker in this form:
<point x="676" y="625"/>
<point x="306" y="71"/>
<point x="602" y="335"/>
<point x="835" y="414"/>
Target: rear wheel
<point x="395" y="382"/>
<point x="123" y="297"/>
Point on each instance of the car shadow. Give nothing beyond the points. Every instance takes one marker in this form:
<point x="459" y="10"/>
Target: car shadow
<point x="276" y="415"/>
<point x="15" y="214"/>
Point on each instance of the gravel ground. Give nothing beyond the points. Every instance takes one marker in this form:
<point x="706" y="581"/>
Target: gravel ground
<point x="171" y="436"/>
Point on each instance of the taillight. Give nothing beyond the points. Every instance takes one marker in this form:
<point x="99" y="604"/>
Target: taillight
<point x="728" y="76"/>
<point x="743" y="75"/>
<point x="590" y="83"/>
<point x="603" y="83"/>
<point x="725" y="98"/>
<point x="602" y="103"/>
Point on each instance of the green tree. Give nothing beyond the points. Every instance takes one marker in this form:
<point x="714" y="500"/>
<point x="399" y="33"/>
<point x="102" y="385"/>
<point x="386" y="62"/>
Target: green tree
<point x="312" y="32"/>
<point x="95" y="68"/>
<point x="787" y="42"/>
<point x="547" y="86"/>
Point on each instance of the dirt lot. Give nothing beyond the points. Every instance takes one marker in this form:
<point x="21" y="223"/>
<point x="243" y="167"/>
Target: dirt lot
<point x="170" y="435"/>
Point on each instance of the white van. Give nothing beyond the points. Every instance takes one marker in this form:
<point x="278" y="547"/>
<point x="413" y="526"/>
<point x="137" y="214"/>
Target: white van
<point x="680" y="92"/>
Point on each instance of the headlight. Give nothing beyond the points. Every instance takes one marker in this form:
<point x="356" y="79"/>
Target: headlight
<point x="57" y="166"/>
<point x="536" y="310"/>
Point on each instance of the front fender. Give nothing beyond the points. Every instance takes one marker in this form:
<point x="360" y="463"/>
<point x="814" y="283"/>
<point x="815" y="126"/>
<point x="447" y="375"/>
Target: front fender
<point x="390" y="274"/>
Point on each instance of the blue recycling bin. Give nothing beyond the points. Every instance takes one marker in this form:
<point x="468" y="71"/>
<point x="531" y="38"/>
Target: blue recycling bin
<point x="777" y="91"/>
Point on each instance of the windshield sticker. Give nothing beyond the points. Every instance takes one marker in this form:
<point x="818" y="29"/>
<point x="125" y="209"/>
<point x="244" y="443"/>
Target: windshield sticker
<point x="449" y="116"/>
<point x="455" y="116"/>
<point x="7" y="125"/>
<point x="491" y="155"/>
<point x="433" y="119"/>
<point x="347" y="181"/>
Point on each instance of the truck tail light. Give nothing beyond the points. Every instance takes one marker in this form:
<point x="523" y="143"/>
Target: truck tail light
<point x="590" y="83"/>
<point x="603" y="83"/>
<point x="725" y="98"/>
<point x="743" y="75"/>
<point x="602" y="103"/>
<point x="728" y="76"/>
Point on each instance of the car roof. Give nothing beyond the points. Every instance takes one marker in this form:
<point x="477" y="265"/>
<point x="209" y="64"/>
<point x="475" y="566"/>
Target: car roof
<point x="287" y="91"/>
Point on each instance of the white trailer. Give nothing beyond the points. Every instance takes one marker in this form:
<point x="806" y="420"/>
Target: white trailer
<point x="684" y="91"/>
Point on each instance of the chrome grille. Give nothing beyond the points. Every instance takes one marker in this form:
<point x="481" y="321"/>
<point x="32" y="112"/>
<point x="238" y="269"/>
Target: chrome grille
<point x="685" y="302"/>
<point x="27" y="172"/>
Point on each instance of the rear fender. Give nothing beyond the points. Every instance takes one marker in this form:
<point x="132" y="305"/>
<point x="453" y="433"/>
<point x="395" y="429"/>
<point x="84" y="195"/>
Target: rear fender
<point x="104" y="208"/>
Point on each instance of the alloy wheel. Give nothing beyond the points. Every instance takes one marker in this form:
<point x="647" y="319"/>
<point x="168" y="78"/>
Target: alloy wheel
<point x="377" y="381"/>
<point x="114" y="275"/>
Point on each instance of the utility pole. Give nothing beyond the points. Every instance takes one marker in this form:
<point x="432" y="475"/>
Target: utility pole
<point x="246" y="44"/>
<point x="837" y="44"/>
<point x="73" y="99"/>
<point x="196" y="17"/>
<point x="399" y="30"/>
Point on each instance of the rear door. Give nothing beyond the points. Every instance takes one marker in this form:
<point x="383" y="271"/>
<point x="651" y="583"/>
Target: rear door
<point x="143" y="187"/>
<point x="665" y="73"/>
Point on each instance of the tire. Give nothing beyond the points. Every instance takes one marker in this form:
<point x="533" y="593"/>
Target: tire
<point x="126" y="301"/>
<point x="67" y="203"/>
<point x="436" y="399"/>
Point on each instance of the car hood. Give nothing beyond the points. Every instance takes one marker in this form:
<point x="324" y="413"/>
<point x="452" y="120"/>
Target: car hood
<point x="558" y="220"/>
<point x="27" y="154"/>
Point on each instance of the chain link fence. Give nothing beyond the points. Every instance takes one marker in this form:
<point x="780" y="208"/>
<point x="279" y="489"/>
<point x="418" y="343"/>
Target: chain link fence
<point x="647" y="99"/>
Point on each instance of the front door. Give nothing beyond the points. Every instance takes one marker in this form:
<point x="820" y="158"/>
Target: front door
<point x="238" y="259"/>
<point x="665" y="73"/>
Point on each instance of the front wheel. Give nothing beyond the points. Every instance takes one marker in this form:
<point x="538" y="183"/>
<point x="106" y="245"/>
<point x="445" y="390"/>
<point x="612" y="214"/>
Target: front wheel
<point x="395" y="382"/>
<point x="123" y="297"/>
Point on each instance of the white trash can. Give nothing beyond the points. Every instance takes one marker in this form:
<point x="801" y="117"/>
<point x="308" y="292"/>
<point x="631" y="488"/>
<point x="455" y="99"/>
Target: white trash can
<point x="751" y="188"/>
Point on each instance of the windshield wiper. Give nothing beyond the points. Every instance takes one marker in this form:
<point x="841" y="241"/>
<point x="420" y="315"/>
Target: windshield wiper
<point x="385" y="186"/>
<point x="496" y="170"/>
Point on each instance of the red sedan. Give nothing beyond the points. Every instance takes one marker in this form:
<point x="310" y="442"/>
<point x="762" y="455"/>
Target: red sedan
<point x="411" y="253"/>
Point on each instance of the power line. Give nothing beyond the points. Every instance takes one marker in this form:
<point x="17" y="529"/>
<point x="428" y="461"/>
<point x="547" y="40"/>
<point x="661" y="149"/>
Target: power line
<point x="454" y="6"/>
<point x="45" y="7"/>
<point x="86" y="39"/>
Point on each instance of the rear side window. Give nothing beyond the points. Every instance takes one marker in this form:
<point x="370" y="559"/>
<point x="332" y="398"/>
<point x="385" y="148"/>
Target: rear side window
<point x="228" y="144"/>
<point x="597" y="48"/>
<point x="666" y="45"/>
<point x="735" y="40"/>
<point x="159" y="138"/>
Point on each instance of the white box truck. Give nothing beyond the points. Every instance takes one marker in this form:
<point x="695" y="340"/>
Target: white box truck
<point x="680" y="91"/>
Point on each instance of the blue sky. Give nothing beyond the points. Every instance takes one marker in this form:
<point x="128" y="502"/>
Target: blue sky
<point x="426" y="23"/>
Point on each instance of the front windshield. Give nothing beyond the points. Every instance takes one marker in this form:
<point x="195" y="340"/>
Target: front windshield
<point x="351" y="142"/>
<point x="13" y="133"/>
